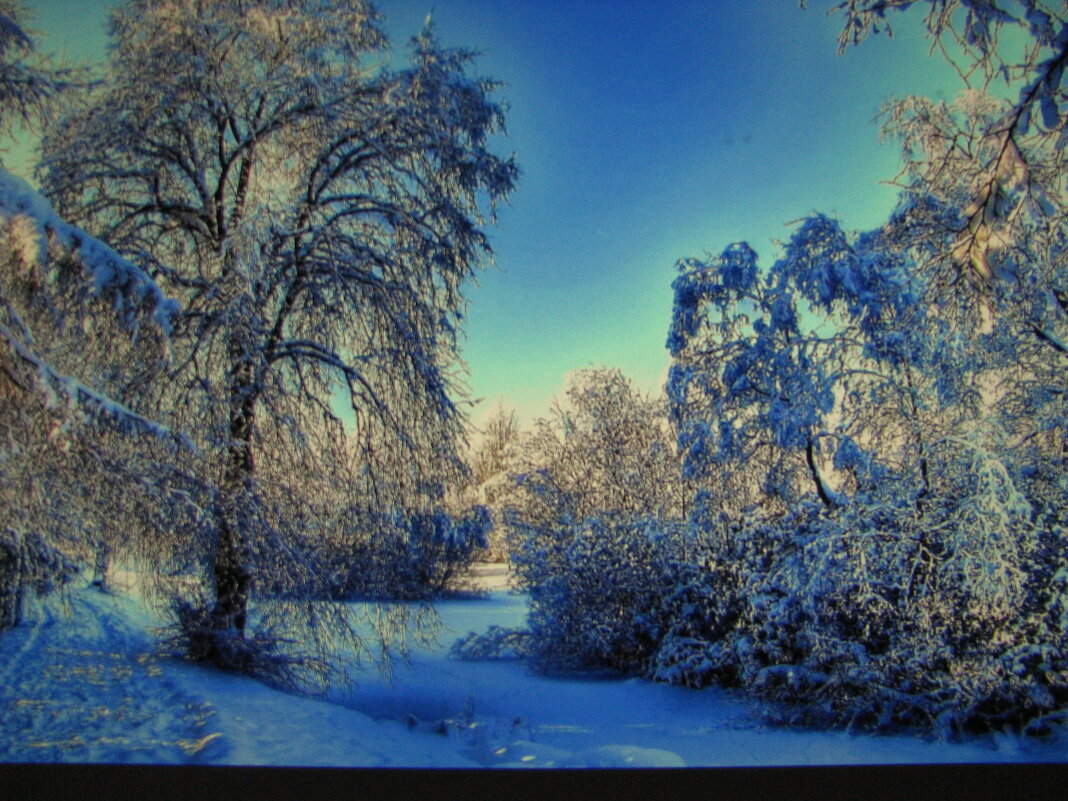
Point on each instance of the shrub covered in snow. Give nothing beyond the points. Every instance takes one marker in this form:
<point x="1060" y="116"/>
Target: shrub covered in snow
<point x="415" y="555"/>
<point x="879" y="482"/>
<point x="595" y="587"/>
<point x="604" y="447"/>
<point x="873" y="616"/>
<point x="596" y="493"/>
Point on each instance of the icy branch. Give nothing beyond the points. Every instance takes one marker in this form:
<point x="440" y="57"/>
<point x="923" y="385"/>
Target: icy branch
<point x="109" y="271"/>
<point x="89" y="400"/>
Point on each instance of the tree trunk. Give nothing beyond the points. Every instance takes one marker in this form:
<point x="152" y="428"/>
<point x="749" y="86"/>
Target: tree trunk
<point x="230" y="569"/>
<point x="101" y="561"/>
<point x="817" y="479"/>
<point x="11" y="579"/>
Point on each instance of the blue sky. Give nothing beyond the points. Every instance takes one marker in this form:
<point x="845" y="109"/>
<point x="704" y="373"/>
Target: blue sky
<point x="646" y="132"/>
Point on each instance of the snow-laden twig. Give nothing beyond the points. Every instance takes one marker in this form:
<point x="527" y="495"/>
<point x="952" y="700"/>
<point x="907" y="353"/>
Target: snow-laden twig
<point x="110" y="273"/>
<point x="93" y="403"/>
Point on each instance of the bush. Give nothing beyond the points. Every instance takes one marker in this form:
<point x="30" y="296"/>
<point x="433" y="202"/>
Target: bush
<point x="496" y="643"/>
<point x="881" y="614"/>
<point x="411" y="556"/>
<point x="259" y="654"/>
<point x="594" y="590"/>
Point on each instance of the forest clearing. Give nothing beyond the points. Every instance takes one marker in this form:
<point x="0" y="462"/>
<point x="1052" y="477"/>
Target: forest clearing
<point x="282" y="484"/>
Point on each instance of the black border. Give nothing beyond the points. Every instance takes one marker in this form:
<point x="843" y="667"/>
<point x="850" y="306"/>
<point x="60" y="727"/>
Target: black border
<point x="975" y="782"/>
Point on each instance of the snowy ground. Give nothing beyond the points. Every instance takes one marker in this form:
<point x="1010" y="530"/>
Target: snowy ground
<point x="83" y="684"/>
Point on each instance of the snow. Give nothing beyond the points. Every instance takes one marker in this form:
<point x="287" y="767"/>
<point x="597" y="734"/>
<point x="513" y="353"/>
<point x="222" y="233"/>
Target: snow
<point x="31" y="223"/>
<point x="91" y="401"/>
<point x="34" y="219"/>
<point x="84" y="682"/>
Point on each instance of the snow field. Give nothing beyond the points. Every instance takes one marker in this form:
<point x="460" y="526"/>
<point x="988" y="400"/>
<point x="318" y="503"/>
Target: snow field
<point x="83" y="683"/>
<point x="501" y="715"/>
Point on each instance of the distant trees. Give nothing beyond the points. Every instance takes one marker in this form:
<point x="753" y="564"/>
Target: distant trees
<point x="317" y="214"/>
<point x="492" y="463"/>
<point x="495" y="453"/>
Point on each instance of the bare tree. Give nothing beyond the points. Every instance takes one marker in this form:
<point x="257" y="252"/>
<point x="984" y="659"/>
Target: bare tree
<point x="318" y="214"/>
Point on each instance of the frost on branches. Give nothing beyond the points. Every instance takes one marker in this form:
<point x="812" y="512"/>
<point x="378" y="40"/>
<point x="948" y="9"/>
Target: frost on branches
<point x="73" y="314"/>
<point x="318" y="215"/>
<point x="70" y="310"/>
<point x="595" y="491"/>
<point x="873" y="486"/>
<point x="993" y="159"/>
<point x="880" y="482"/>
<point x="870" y="529"/>
<point x="40" y="245"/>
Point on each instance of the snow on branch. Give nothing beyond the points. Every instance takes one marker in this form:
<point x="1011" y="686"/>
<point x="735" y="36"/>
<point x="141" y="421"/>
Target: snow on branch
<point x="32" y="225"/>
<point x="111" y="274"/>
<point x="93" y="403"/>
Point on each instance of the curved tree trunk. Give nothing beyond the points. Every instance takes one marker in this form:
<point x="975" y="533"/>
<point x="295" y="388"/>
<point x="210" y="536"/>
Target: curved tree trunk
<point x="817" y="479"/>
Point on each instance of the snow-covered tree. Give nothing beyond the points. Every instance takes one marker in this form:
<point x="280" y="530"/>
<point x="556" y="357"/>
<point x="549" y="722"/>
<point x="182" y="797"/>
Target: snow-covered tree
<point x="875" y="538"/>
<point x="606" y="447"/>
<point x="495" y="451"/>
<point x="875" y="425"/>
<point x="776" y="374"/>
<point x="492" y="462"/>
<point x="70" y="309"/>
<point x="991" y="156"/>
<point x="317" y="213"/>
<point x="597" y="489"/>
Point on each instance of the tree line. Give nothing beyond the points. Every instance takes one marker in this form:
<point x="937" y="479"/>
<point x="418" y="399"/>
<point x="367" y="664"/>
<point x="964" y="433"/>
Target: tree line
<point x="851" y="498"/>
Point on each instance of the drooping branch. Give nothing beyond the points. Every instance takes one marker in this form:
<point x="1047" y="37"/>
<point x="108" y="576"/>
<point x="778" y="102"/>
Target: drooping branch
<point x="94" y="404"/>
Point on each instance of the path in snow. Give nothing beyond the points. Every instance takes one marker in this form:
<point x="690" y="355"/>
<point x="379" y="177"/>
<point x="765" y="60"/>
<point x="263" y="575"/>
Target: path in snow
<point x="84" y="681"/>
<point x="77" y="685"/>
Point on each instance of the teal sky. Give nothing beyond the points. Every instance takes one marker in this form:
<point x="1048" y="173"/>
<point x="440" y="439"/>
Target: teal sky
<point x="646" y="132"/>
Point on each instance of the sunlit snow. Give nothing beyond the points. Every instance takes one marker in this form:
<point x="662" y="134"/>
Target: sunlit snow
<point x="82" y="682"/>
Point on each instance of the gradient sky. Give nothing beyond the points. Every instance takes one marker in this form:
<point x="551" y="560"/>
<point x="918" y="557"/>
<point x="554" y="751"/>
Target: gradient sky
<point x="646" y="132"/>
